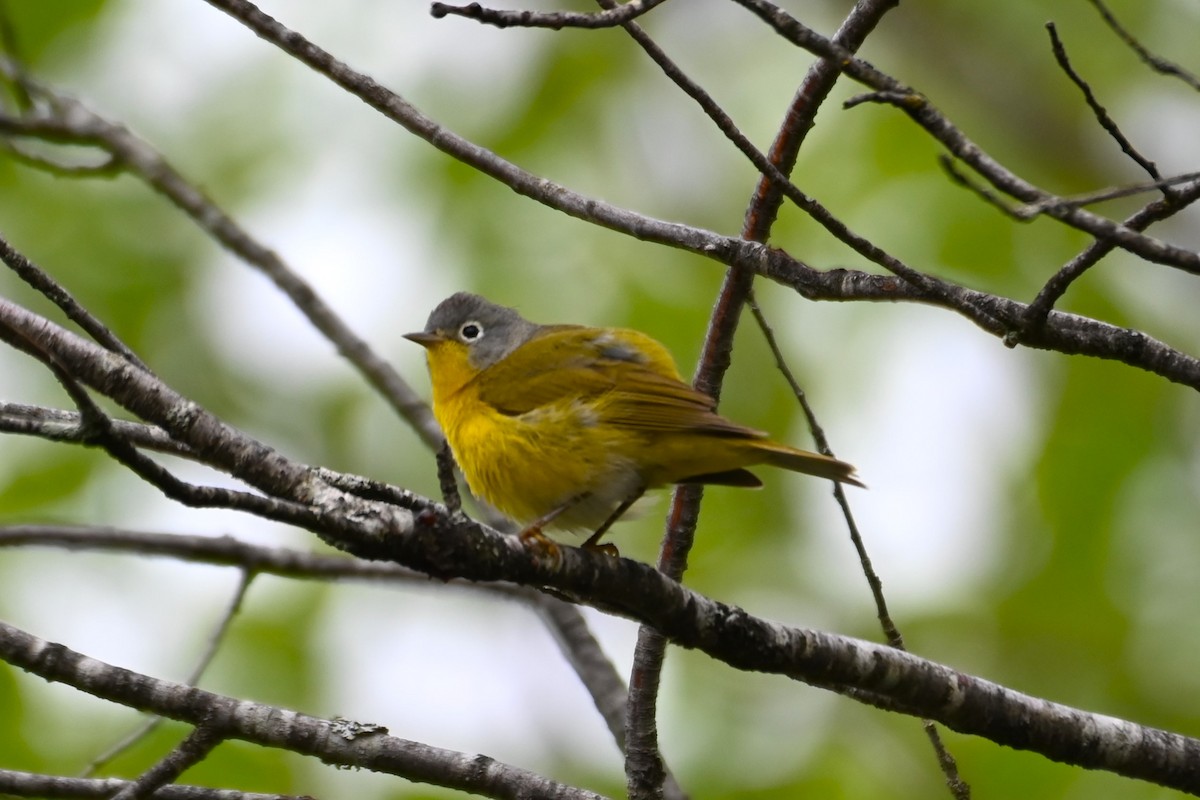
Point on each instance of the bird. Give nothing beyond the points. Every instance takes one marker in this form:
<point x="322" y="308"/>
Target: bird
<point x="564" y="427"/>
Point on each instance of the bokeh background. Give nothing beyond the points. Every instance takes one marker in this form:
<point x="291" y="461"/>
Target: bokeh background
<point x="1034" y="517"/>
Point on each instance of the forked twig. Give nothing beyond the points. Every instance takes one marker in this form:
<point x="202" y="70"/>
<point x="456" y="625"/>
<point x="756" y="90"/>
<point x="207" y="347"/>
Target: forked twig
<point x="1029" y="211"/>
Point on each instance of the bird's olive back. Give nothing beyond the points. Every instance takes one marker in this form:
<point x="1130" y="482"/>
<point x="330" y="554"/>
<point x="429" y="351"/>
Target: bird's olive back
<point x="489" y="331"/>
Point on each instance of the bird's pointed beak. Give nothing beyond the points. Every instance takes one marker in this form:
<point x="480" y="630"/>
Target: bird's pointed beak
<point x="423" y="338"/>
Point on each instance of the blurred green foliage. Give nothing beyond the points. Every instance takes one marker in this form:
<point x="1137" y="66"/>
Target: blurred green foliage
<point x="1078" y="586"/>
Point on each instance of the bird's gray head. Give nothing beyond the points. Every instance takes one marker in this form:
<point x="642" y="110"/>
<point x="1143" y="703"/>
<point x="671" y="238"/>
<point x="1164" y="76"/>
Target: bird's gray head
<point x="489" y="331"/>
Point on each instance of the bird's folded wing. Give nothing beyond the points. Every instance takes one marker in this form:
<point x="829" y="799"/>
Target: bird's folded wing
<point x="628" y="378"/>
<point x="650" y="402"/>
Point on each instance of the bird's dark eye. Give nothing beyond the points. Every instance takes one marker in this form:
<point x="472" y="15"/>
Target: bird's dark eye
<point x="470" y="331"/>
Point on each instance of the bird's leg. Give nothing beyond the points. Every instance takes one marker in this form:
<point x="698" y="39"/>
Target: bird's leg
<point x="593" y="541"/>
<point x="532" y="533"/>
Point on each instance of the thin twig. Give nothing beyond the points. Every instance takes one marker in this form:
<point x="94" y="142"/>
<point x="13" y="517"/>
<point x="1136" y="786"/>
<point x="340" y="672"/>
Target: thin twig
<point x="1156" y="63"/>
<point x="891" y="91"/>
<point x="1101" y="113"/>
<point x="958" y="787"/>
<point x="28" y="784"/>
<point x="108" y="168"/>
<point x="1093" y="337"/>
<point x="54" y="291"/>
<point x="98" y="429"/>
<point x="191" y="751"/>
<point x="1029" y="211"/>
<point x="645" y="772"/>
<point x="1112" y="193"/>
<point x="774" y="177"/>
<point x="215" y="638"/>
<point x="12" y="48"/>
<point x="339" y="742"/>
<point x="905" y="682"/>
<point x="564" y="620"/>
<point x="1038" y="312"/>
<point x="73" y="121"/>
<point x="555" y="20"/>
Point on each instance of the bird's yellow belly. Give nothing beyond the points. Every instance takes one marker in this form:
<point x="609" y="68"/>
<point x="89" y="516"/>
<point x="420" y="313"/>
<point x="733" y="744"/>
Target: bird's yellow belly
<point x="529" y="465"/>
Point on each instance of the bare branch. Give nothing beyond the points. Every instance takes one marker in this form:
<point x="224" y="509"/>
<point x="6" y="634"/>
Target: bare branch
<point x="1101" y="113"/>
<point x="210" y="652"/>
<point x="35" y="277"/>
<point x="908" y="683"/>
<point x="331" y="741"/>
<point x="447" y="480"/>
<point x="733" y="251"/>
<point x="1037" y="314"/>
<point x="645" y="769"/>
<point x="958" y="787"/>
<point x="583" y="652"/>
<point x="775" y="184"/>
<point x="564" y="621"/>
<point x="11" y="46"/>
<point x="890" y="91"/>
<point x="100" y="431"/>
<point x="1028" y="211"/>
<point x="1064" y="333"/>
<point x="70" y="120"/>
<point x="555" y="20"/>
<point x="191" y="751"/>
<point x="216" y="550"/>
<point x="440" y="544"/>
<point x="525" y="183"/>
<point x="214" y="442"/>
<point x="1157" y="63"/>
<point x="57" y="425"/>
<point x="29" y="784"/>
<point x="106" y="168"/>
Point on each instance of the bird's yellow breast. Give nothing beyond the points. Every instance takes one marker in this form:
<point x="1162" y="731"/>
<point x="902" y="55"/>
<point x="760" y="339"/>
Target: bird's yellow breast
<point x="529" y="464"/>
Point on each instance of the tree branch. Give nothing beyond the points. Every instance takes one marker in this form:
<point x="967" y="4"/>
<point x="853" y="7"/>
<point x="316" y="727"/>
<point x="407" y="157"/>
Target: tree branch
<point x="1098" y="110"/>
<point x="215" y="639"/>
<point x="1082" y="336"/>
<point x="35" y="277"/>
<point x="1156" y="63"/>
<point x="564" y="621"/>
<point x="191" y="751"/>
<point x="69" y="120"/>
<point x="330" y="740"/>
<point x="644" y="768"/>
<point x="891" y="91"/>
<point x="29" y="784"/>
<point x="555" y="20"/>
<point x="443" y="545"/>
<point x="58" y="425"/>
<point x="1064" y="333"/>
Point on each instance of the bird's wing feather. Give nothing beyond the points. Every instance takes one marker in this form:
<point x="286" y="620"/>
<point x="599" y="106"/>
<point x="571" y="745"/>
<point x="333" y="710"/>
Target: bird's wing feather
<point x="629" y="377"/>
<point x="651" y="402"/>
<point x="556" y="365"/>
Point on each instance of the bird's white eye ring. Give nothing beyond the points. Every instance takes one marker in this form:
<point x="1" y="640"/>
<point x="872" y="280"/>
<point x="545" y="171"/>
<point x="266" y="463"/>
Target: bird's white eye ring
<point x="470" y="331"/>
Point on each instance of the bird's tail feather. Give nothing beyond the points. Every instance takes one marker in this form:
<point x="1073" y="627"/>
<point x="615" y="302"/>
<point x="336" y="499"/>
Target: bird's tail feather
<point x="780" y="455"/>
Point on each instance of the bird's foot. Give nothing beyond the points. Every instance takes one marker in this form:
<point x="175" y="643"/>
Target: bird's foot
<point x="532" y="537"/>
